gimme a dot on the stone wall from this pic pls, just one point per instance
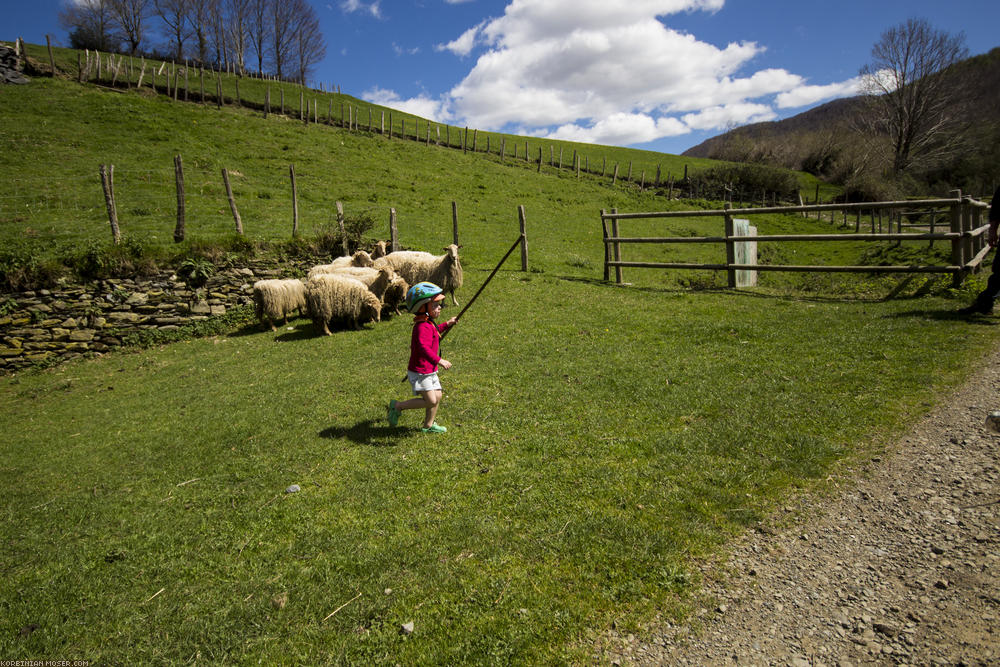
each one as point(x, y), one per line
point(53, 325)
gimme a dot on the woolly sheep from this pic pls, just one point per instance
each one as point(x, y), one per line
point(331, 296)
point(276, 299)
point(376, 280)
point(382, 282)
point(378, 250)
point(395, 294)
point(413, 266)
point(359, 258)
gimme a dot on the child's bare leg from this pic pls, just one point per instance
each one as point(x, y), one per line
point(429, 400)
point(433, 399)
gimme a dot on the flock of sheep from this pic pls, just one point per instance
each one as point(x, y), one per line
point(357, 288)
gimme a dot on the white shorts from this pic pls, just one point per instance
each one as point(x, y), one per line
point(423, 381)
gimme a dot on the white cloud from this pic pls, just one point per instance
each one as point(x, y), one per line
point(728, 115)
point(462, 45)
point(421, 105)
point(806, 95)
point(613, 71)
point(621, 128)
point(401, 51)
point(351, 6)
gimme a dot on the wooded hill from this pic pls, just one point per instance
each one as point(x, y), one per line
point(823, 140)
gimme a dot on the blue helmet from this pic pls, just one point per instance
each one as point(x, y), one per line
point(420, 294)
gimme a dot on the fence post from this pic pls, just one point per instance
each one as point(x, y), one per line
point(730, 247)
point(179, 177)
point(342, 228)
point(454, 221)
point(980, 241)
point(957, 256)
point(968, 244)
point(232, 201)
point(607, 256)
point(615, 245)
point(295, 202)
point(539, 159)
point(108, 183)
point(393, 232)
point(52, 59)
point(524, 237)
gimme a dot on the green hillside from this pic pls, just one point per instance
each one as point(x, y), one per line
point(603, 441)
point(57, 133)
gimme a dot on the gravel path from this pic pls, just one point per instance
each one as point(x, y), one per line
point(898, 565)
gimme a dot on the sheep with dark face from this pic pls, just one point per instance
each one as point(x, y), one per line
point(276, 299)
point(413, 266)
point(330, 296)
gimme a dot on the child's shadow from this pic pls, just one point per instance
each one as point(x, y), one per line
point(367, 433)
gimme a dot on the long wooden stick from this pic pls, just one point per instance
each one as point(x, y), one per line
point(483, 286)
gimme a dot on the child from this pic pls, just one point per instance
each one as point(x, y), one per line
point(425, 301)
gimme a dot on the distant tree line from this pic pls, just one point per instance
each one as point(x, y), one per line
point(277, 37)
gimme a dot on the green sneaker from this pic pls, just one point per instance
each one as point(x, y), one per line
point(434, 428)
point(392, 414)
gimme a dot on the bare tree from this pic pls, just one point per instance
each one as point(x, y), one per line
point(131, 15)
point(175, 17)
point(310, 46)
point(259, 29)
point(219, 33)
point(91, 25)
point(906, 84)
point(237, 30)
point(200, 19)
point(284, 23)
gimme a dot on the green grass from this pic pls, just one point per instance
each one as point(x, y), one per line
point(602, 440)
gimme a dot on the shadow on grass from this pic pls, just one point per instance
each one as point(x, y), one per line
point(894, 294)
point(948, 315)
point(367, 432)
point(296, 329)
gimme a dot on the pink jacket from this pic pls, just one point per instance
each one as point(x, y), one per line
point(424, 345)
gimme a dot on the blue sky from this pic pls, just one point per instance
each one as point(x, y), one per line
point(657, 74)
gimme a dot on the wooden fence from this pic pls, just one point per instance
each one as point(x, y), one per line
point(107, 173)
point(966, 234)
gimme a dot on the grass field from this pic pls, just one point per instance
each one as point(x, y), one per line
point(602, 440)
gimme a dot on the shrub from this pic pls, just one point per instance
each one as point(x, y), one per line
point(23, 266)
point(719, 182)
point(98, 261)
point(196, 271)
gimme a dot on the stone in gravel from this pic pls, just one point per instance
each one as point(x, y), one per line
point(887, 629)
